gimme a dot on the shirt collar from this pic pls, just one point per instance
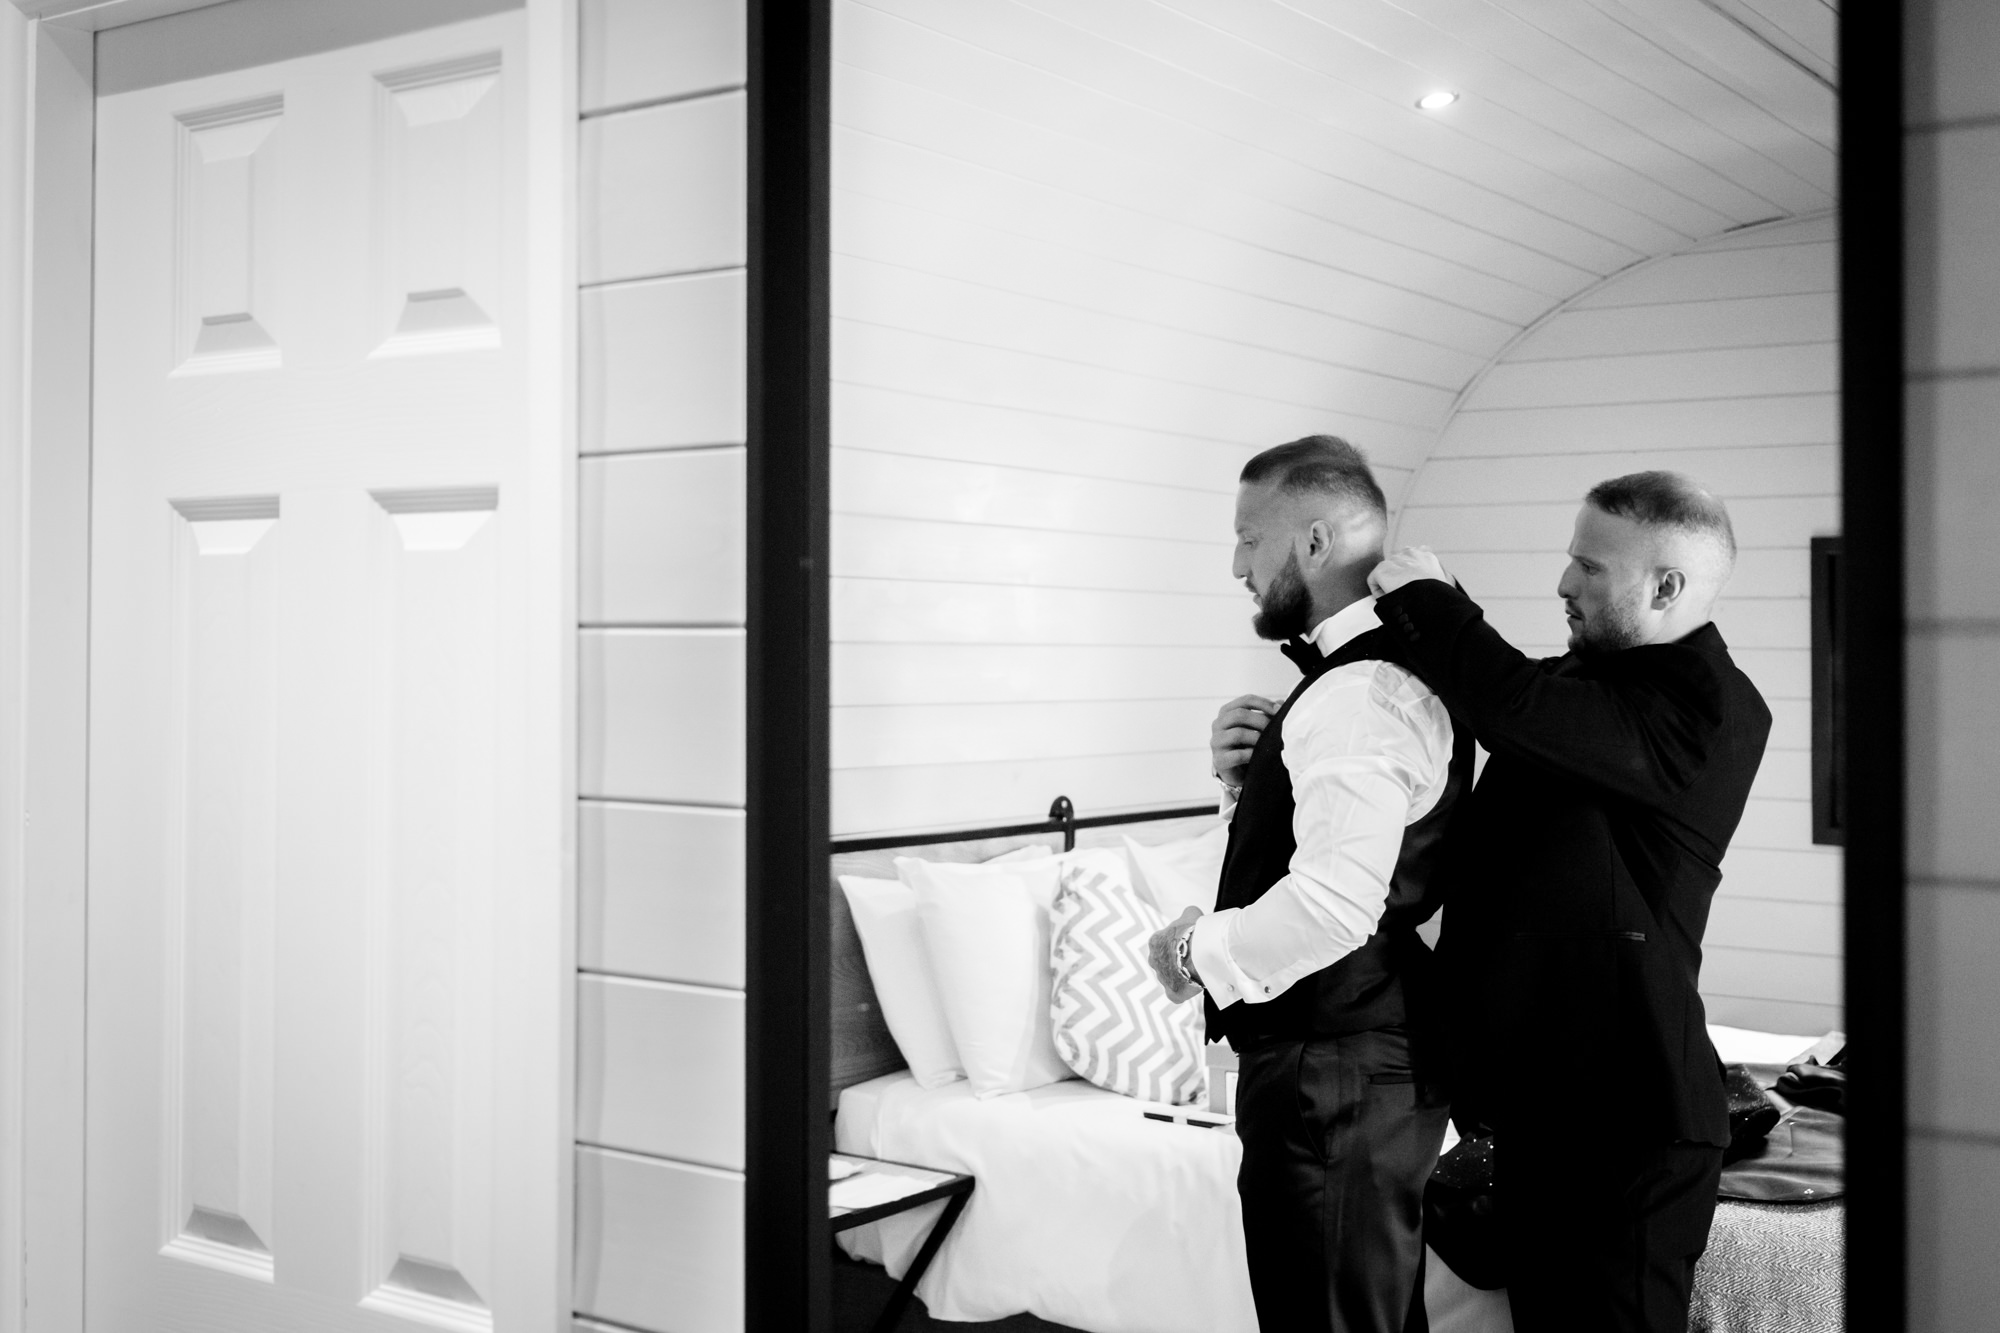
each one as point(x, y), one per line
point(1348, 623)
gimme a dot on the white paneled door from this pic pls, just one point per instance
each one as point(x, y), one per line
point(309, 701)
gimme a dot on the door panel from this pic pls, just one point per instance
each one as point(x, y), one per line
point(309, 721)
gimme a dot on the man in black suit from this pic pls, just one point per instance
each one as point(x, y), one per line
point(1578, 886)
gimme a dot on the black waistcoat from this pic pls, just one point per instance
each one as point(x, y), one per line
point(1385, 982)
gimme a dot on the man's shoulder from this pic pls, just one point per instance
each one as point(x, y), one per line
point(1378, 684)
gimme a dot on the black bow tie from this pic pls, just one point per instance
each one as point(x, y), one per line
point(1305, 655)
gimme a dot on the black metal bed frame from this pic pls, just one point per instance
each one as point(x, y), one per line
point(1062, 819)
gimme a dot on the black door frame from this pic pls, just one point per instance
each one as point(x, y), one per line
point(787, 1243)
point(787, 1266)
point(1871, 612)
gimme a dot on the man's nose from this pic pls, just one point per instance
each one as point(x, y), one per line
point(1566, 585)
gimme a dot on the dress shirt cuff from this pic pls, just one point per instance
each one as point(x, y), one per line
point(1208, 950)
point(1230, 795)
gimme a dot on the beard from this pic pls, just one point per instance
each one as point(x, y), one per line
point(1612, 630)
point(1285, 607)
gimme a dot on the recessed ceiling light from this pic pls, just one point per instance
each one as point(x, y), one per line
point(1436, 101)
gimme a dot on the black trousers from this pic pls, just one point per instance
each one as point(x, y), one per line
point(1603, 1238)
point(1339, 1137)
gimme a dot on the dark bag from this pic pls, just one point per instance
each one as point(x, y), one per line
point(1751, 1114)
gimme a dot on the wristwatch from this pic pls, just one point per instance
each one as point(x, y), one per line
point(1182, 960)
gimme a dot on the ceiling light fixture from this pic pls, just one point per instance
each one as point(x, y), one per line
point(1436, 101)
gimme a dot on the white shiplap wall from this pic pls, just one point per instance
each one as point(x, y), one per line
point(660, 1001)
point(1720, 362)
point(1089, 255)
point(1952, 471)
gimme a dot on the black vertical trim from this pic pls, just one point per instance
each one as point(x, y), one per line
point(1829, 795)
point(787, 1271)
point(1871, 614)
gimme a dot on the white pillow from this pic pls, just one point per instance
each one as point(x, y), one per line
point(1183, 874)
point(1114, 1025)
point(987, 931)
point(885, 916)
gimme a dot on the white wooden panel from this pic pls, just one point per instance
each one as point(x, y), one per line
point(877, 799)
point(1263, 197)
point(661, 539)
point(1770, 974)
point(1775, 825)
point(1737, 372)
point(947, 491)
point(875, 232)
point(1721, 275)
point(979, 194)
point(1952, 284)
point(1791, 723)
point(896, 359)
point(646, 50)
point(230, 239)
point(662, 363)
point(659, 1245)
point(1787, 522)
point(1046, 79)
point(883, 611)
point(659, 1069)
point(663, 190)
point(1813, 876)
point(1662, 428)
point(1751, 321)
point(1954, 1191)
point(1518, 115)
point(1762, 923)
point(1953, 474)
point(910, 735)
point(430, 1046)
point(899, 548)
point(1766, 1015)
point(972, 310)
point(909, 421)
point(221, 938)
point(661, 715)
point(1954, 732)
point(1954, 1008)
point(1778, 673)
point(439, 125)
point(949, 673)
point(660, 892)
point(1954, 46)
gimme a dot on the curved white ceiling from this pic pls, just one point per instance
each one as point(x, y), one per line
point(1233, 213)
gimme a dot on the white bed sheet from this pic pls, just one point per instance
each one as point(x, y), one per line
point(1086, 1213)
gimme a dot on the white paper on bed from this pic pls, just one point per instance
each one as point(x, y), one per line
point(1085, 1213)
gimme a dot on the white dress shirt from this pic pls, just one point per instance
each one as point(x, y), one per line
point(1368, 748)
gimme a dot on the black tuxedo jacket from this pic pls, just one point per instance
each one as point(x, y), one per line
point(1578, 879)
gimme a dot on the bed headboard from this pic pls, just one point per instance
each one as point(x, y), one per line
point(862, 1046)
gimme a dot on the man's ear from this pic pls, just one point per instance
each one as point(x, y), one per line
point(1667, 589)
point(1319, 542)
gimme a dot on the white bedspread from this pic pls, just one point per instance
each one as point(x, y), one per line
point(1088, 1214)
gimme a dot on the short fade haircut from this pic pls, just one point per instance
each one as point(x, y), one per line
point(1318, 465)
point(1667, 500)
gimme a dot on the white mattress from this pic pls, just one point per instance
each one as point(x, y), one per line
point(1088, 1214)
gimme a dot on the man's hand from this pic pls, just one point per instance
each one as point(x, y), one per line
point(1162, 954)
point(1406, 566)
point(1234, 735)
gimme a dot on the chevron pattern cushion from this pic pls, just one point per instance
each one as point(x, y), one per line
point(1113, 1023)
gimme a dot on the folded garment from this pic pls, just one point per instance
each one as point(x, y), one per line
point(1810, 1083)
point(1800, 1161)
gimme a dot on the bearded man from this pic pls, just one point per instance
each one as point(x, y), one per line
point(1579, 879)
point(1337, 800)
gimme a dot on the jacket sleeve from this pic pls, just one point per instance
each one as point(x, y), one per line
point(1643, 731)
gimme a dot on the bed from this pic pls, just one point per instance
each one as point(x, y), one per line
point(1105, 1213)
